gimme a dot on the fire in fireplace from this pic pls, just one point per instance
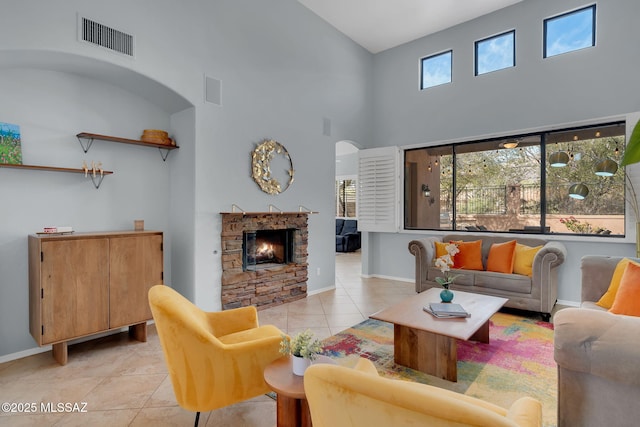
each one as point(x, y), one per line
point(267, 248)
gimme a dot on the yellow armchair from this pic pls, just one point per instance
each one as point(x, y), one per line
point(340, 396)
point(214, 358)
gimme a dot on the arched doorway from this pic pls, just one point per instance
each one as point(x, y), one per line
point(346, 177)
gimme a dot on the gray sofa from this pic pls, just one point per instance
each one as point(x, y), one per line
point(537, 293)
point(597, 353)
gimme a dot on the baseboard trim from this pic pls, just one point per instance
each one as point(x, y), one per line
point(569, 303)
point(37, 350)
point(24, 353)
point(380, 276)
point(318, 291)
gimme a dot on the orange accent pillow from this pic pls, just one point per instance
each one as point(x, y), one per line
point(606, 300)
point(627, 299)
point(501, 257)
point(470, 255)
point(523, 262)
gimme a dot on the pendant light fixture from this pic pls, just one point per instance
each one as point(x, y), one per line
point(578, 191)
point(512, 143)
point(558, 159)
point(606, 167)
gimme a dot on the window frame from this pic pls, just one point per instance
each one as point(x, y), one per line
point(435, 55)
point(543, 133)
point(476, 57)
point(545, 21)
point(340, 179)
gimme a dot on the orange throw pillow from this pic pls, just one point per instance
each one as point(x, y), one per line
point(627, 299)
point(523, 262)
point(606, 300)
point(501, 257)
point(470, 255)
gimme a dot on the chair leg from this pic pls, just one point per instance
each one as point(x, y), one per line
point(197, 419)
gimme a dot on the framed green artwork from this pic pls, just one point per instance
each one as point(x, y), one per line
point(10, 148)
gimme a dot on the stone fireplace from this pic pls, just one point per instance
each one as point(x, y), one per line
point(264, 258)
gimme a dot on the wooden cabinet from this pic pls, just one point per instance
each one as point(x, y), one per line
point(84, 283)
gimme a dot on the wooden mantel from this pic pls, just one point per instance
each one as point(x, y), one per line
point(270, 213)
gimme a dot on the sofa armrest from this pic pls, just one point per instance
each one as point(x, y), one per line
point(544, 275)
point(424, 251)
point(597, 272)
point(551, 255)
point(598, 343)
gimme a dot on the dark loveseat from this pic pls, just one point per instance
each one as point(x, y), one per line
point(347, 235)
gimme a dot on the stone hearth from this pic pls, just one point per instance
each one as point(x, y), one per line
point(266, 287)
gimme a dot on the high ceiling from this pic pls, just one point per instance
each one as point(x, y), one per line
point(378, 25)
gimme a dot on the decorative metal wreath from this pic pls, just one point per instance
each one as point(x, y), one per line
point(261, 168)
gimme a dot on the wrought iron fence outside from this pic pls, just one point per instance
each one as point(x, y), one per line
point(530, 199)
point(482, 200)
point(493, 200)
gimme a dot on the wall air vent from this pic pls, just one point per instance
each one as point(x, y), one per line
point(101, 35)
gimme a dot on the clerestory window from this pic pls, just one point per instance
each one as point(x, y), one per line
point(570, 31)
point(436, 69)
point(496, 53)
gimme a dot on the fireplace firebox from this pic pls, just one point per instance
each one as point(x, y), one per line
point(267, 248)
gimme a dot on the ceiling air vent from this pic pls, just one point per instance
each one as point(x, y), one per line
point(107, 37)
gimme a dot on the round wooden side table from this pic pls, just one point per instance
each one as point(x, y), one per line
point(292, 408)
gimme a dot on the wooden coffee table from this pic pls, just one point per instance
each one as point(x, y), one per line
point(428, 344)
point(292, 408)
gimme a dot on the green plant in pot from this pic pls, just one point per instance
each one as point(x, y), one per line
point(303, 347)
point(631, 156)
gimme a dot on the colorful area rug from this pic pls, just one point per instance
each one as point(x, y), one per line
point(518, 361)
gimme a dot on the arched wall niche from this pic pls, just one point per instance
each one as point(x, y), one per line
point(123, 77)
point(178, 170)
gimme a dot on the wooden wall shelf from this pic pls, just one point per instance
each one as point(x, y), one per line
point(97, 180)
point(86, 139)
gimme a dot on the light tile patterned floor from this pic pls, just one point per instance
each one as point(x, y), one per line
point(125, 383)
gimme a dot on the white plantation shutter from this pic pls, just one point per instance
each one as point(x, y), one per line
point(378, 181)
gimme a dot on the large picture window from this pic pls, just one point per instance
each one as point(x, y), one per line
point(564, 181)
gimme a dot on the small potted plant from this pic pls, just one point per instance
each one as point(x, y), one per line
point(444, 263)
point(303, 348)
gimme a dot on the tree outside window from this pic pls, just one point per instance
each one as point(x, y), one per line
point(509, 185)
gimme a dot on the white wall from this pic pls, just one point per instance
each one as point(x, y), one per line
point(283, 71)
point(347, 165)
point(51, 108)
point(537, 93)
